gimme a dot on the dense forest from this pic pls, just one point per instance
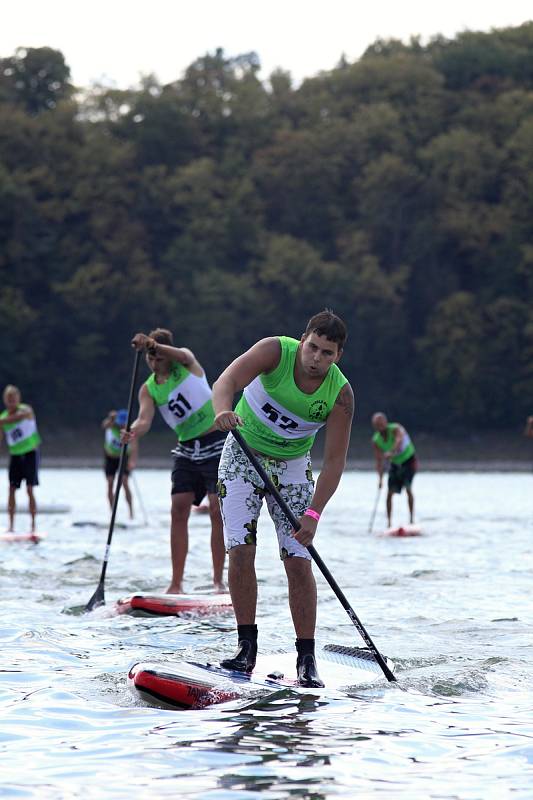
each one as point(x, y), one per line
point(397, 190)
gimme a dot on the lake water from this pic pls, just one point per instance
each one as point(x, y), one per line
point(453, 609)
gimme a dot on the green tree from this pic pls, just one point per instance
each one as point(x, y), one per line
point(36, 79)
point(451, 352)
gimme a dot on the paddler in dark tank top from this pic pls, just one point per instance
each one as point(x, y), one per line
point(391, 441)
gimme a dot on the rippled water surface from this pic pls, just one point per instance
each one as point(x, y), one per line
point(453, 609)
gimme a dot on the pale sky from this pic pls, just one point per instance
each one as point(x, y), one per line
point(117, 41)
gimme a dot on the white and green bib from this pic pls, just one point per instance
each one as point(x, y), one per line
point(112, 441)
point(280, 420)
point(184, 401)
point(407, 448)
point(22, 436)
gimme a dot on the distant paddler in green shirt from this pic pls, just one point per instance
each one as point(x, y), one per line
point(17, 423)
point(391, 441)
point(112, 425)
point(292, 388)
point(178, 388)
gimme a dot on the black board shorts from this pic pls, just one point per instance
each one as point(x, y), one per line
point(195, 467)
point(402, 475)
point(24, 468)
point(111, 465)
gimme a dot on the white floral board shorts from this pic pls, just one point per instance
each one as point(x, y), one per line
point(241, 492)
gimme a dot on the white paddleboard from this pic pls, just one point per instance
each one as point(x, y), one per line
point(190, 685)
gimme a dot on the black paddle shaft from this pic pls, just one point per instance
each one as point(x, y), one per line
point(98, 597)
point(316, 558)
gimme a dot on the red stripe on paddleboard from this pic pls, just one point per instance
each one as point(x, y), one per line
point(403, 530)
point(171, 690)
point(171, 605)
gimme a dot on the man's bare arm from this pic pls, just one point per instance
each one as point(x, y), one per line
point(109, 421)
point(399, 433)
point(338, 428)
point(143, 423)
point(181, 355)
point(17, 416)
point(264, 356)
point(380, 459)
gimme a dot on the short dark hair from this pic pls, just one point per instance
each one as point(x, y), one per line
point(328, 324)
point(162, 336)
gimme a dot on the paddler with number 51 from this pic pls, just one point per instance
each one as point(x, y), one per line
point(178, 387)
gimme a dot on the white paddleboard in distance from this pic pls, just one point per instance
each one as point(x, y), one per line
point(34, 537)
point(190, 685)
point(42, 508)
point(101, 524)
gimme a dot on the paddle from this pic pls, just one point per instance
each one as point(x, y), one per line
point(316, 558)
point(372, 518)
point(98, 597)
point(139, 497)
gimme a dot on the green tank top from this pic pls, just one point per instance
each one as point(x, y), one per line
point(22, 436)
point(184, 401)
point(112, 441)
point(407, 448)
point(280, 420)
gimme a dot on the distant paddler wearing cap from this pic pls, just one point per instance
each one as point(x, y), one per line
point(112, 425)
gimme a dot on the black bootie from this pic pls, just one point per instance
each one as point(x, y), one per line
point(306, 669)
point(244, 658)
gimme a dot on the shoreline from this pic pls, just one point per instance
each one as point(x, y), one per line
point(426, 465)
point(469, 451)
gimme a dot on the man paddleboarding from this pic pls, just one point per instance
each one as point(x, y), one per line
point(178, 387)
point(18, 424)
point(112, 425)
point(291, 389)
point(392, 442)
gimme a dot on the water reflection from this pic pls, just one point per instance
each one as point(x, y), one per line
point(450, 608)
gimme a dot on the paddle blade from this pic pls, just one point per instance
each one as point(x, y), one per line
point(97, 599)
point(354, 657)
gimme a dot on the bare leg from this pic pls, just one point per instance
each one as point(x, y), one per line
point(389, 508)
point(32, 506)
point(127, 492)
point(179, 538)
point(302, 596)
point(218, 548)
point(110, 490)
point(11, 507)
point(411, 502)
point(243, 583)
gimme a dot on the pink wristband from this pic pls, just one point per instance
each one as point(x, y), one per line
point(311, 513)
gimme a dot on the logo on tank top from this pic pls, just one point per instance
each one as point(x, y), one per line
point(318, 410)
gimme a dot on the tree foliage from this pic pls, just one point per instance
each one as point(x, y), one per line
point(397, 189)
